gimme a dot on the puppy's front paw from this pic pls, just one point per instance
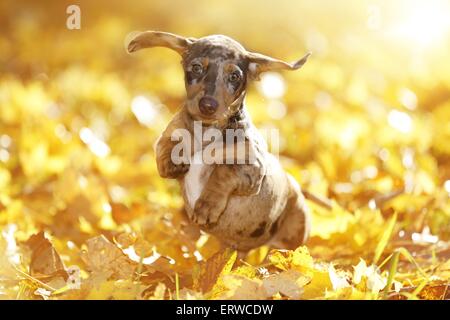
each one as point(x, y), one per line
point(172, 171)
point(208, 210)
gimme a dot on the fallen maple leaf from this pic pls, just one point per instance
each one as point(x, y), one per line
point(289, 283)
point(103, 257)
point(236, 287)
point(45, 260)
point(206, 277)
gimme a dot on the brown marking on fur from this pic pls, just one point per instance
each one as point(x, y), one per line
point(259, 231)
point(273, 228)
point(210, 79)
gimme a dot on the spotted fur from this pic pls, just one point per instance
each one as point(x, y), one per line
point(244, 205)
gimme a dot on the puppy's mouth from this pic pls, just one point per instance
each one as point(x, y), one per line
point(205, 119)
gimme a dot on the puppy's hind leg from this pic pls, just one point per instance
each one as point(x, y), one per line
point(295, 222)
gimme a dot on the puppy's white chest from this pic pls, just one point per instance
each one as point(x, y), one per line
point(195, 180)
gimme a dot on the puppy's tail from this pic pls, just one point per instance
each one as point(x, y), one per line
point(321, 201)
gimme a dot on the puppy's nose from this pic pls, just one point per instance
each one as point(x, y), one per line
point(208, 105)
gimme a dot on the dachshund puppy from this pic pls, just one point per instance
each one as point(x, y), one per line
point(245, 198)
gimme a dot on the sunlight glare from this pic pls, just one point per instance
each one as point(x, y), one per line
point(424, 22)
point(144, 110)
point(272, 85)
point(447, 186)
point(276, 109)
point(5, 141)
point(97, 146)
point(4, 155)
point(400, 121)
point(408, 98)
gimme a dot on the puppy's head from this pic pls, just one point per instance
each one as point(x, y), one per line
point(216, 71)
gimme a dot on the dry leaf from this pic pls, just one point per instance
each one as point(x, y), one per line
point(44, 258)
point(103, 257)
point(368, 277)
point(289, 283)
point(241, 288)
point(210, 271)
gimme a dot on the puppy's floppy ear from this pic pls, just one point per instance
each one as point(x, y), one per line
point(259, 63)
point(149, 39)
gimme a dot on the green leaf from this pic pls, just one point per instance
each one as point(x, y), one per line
point(392, 271)
point(385, 238)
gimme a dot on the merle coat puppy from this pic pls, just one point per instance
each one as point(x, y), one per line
point(247, 203)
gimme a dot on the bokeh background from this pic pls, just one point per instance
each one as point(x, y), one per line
point(365, 124)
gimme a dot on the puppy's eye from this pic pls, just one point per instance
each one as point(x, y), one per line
point(197, 68)
point(234, 77)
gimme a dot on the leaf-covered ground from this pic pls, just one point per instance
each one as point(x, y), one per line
point(365, 126)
